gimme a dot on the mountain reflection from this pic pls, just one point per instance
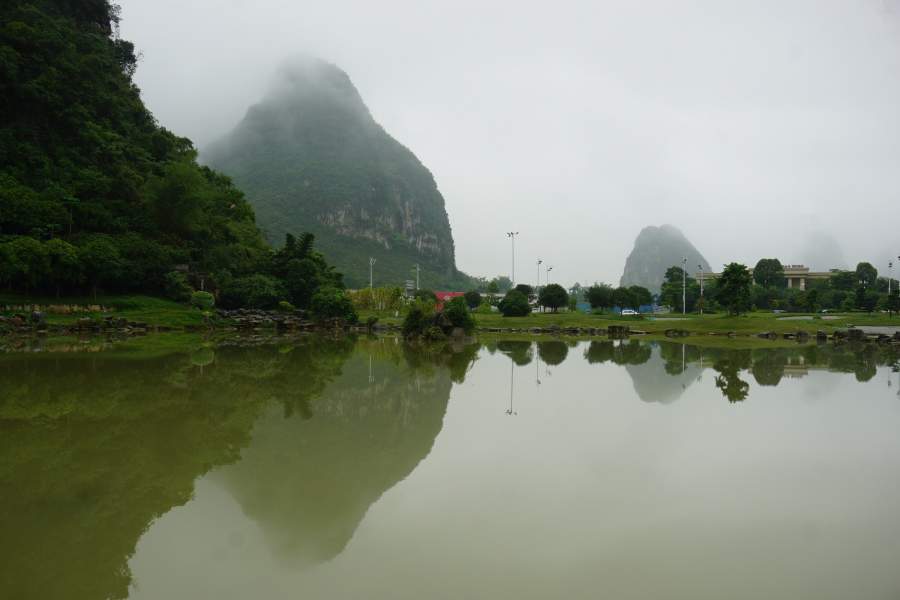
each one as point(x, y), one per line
point(94, 448)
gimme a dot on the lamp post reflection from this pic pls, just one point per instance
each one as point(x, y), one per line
point(510, 411)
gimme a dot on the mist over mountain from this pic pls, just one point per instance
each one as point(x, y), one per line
point(310, 157)
point(655, 250)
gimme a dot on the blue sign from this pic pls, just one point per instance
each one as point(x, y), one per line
point(655, 305)
point(655, 298)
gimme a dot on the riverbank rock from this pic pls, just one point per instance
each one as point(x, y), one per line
point(456, 334)
point(39, 319)
point(821, 335)
point(856, 334)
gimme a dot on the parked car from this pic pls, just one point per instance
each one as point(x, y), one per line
point(628, 311)
point(779, 311)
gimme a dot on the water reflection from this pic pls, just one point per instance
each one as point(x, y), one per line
point(306, 434)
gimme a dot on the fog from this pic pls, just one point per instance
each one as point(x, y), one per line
point(759, 129)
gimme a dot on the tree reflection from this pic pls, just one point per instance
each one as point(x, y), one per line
point(552, 353)
point(732, 386)
point(521, 353)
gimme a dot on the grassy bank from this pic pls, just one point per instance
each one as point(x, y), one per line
point(154, 311)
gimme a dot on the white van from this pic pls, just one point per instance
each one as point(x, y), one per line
point(628, 311)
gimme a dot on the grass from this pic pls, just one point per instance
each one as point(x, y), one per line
point(155, 311)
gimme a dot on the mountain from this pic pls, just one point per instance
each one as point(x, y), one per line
point(655, 250)
point(310, 157)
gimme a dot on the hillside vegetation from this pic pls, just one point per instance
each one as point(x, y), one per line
point(311, 158)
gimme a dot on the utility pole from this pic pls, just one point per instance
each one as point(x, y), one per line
point(684, 286)
point(513, 235)
point(416, 267)
point(371, 272)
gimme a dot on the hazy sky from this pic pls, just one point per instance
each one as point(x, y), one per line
point(758, 128)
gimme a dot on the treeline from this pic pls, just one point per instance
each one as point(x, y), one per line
point(96, 196)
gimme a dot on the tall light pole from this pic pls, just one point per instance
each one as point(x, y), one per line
point(701, 286)
point(684, 286)
point(548, 274)
point(416, 267)
point(371, 271)
point(539, 273)
point(513, 235)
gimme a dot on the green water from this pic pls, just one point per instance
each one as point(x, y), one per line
point(362, 468)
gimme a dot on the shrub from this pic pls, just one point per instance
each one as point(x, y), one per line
point(176, 286)
point(418, 318)
point(203, 300)
point(485, 308)
point(458, 312)
point(329, 302)
point(285, 307)
point(371, 320)
point(424, 295)
point(515, 305)
point(433, 333)
point(473, 299)
point(256, 291)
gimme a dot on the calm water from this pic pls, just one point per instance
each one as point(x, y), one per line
point(312, 468)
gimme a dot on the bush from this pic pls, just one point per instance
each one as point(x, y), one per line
point(371, 320)
point(458, 312)
point(285, 307)
point(515, 305)
point(256, 291)
point(473, 299)
point(329, 302)
point(418, 318)
point(203, 300)
point(176, 286)
point(433, 333)
point(485, 308)
point(425, 295)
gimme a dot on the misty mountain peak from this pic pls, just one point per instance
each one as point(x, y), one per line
point(655, 250)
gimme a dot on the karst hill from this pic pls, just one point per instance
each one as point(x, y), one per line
point(310, 157)
point(655, 250)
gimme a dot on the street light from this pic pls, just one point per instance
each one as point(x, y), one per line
point(513, 235)
point(684, 286)
point(416, 267)
point(539, 273)
point(371, 271)
point(701, 286)
point(548, 274)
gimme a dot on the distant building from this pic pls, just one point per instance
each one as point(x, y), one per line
point(796, 275)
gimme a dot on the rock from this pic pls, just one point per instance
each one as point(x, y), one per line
point(380, 326)
point(39, 319)
point(554, 328)
point(456, 334)
point(440, 319)
point(670, 332)
point(803, 334)
point(856, 334)
point(731, 334)
point(821, 335)
point(536, 330)
point(20, 318)
point(339, 323)
point(83, 323)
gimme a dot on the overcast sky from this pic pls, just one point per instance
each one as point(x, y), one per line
point(758, 128)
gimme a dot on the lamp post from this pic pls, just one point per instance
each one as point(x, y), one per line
point(548, 274)
point(416, 267)
point(513, 235)
point(371, 271)
point(684, 286)
point(701, 286)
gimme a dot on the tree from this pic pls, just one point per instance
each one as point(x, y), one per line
point(809, 300)
point(424, 295)
point(734, 288)
point(9, 265)
point(330, 302)
point(643, 295)
point(64, 267)
point(553, 296)
point(598, 295)
point(893, 302)
point(867, 275)
point(32, 264)
point(674, 274)
point(492, 287)
point(844, 280)
point(769, 273)
point(572, 304)
point(867, 300)
point(514, 304)
point(102, 263)
point(503, 282)
point(702, 304)
point(473, 299)
point(624, 298)
point(525, 289)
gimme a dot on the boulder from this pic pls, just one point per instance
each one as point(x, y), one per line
point(83, 323)
point(20, 318)
point(856, 334)
point(456, 334)
point(554, 328)
point(821, 335)
point(440, 319)
point(803, 334)
point(39, 319)
point(731, 334)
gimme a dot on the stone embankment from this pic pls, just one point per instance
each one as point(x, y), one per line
point(247, 319)
point(58, 309)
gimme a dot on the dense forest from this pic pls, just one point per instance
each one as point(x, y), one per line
point(96, 196)
point(310, 156)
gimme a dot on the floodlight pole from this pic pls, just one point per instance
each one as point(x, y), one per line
point(371, 272)
point(701, 286)
point(548, 274)
point(539, 272)
point(684, 286)
point(513, 235)
point(416, 266)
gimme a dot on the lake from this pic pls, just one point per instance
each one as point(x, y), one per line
point(305, 467)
